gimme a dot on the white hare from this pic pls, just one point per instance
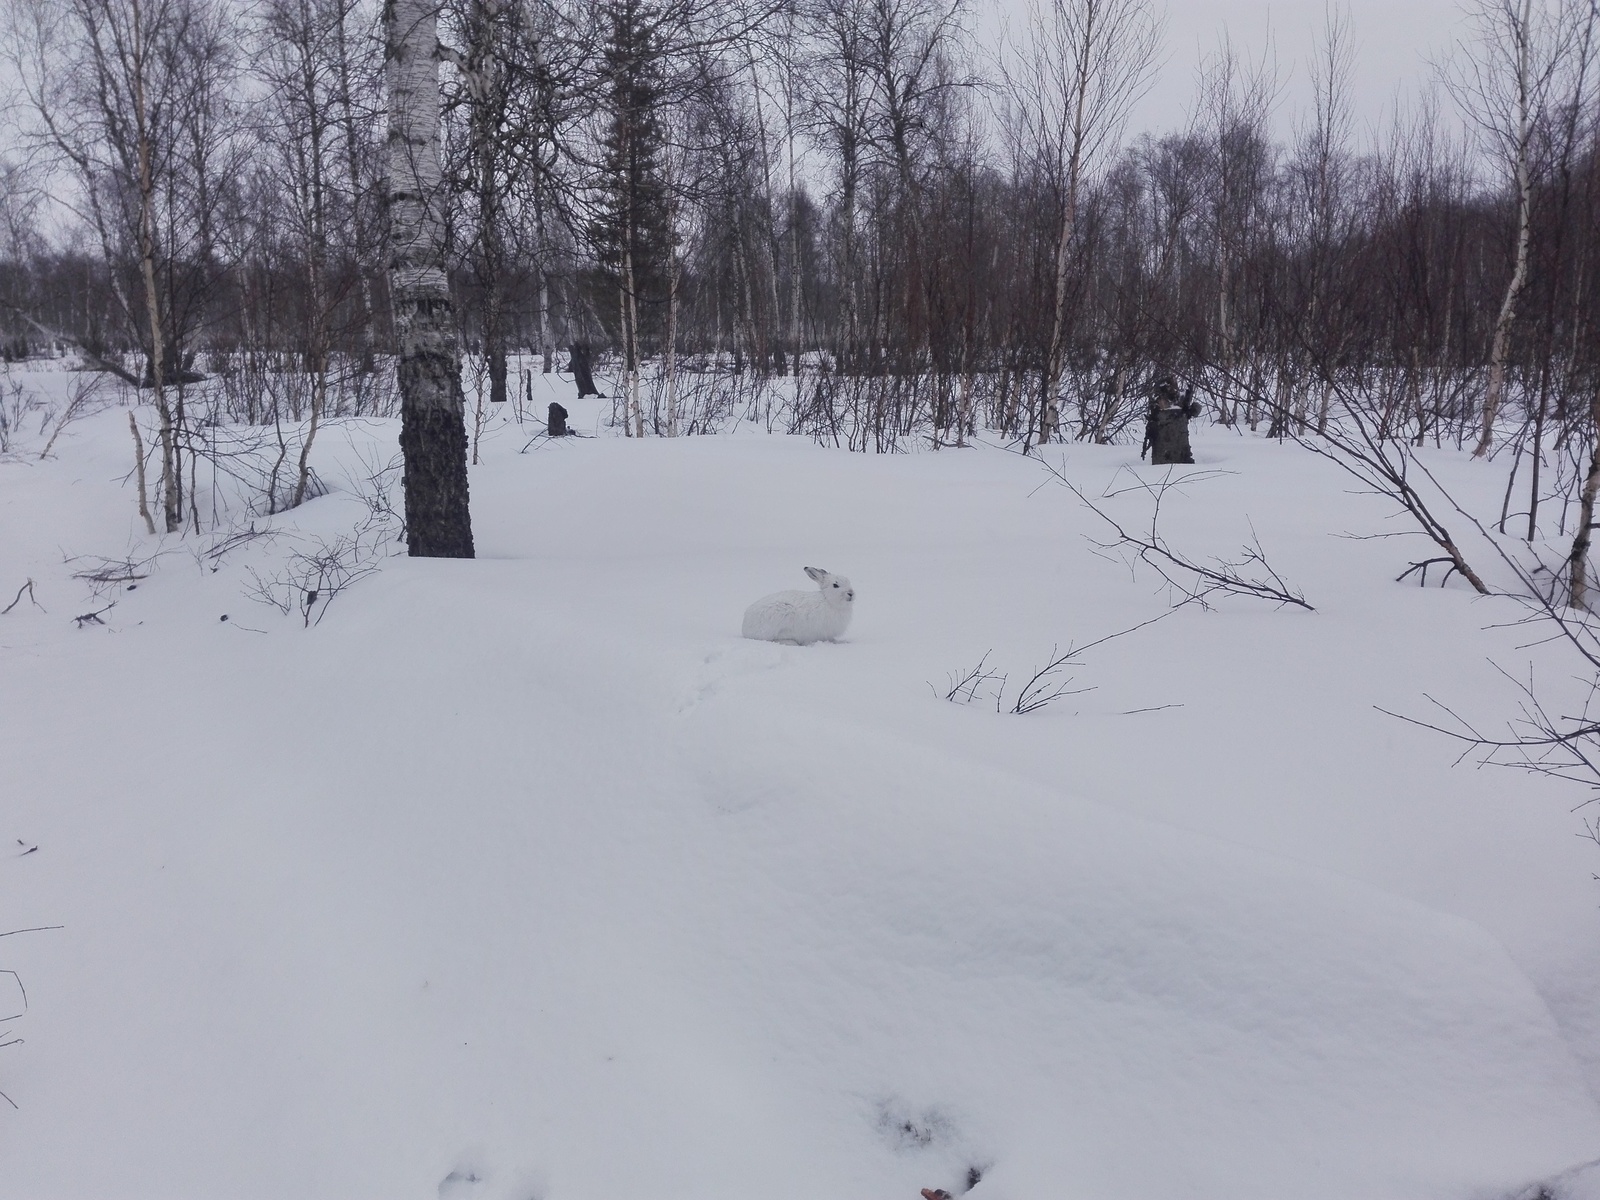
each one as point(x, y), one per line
point(803, 617)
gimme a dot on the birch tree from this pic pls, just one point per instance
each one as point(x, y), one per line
point(1502, 81)
point(433, 432)
point(125, 95)
point(1084, 64)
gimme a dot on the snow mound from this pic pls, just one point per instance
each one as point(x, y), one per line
point(527, 879)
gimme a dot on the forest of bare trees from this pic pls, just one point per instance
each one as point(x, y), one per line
point(846, 218)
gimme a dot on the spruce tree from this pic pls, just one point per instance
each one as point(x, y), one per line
point(633, 232)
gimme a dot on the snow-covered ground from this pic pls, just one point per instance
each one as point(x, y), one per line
point(526, 878)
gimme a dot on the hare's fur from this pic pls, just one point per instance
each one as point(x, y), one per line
point(803, 617)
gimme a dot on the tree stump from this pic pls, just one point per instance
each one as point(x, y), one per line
point(583, 370)
point(556, 423)
point(1166, 426)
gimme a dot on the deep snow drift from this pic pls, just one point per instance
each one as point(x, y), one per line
point(526, 877)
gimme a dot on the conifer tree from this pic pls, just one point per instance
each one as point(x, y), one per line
point(633, 232)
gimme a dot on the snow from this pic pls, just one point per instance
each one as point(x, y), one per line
point(526, 877)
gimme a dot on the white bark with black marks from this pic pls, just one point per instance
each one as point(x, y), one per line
point(433, 435)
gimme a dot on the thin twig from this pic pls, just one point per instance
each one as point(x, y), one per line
point(93, 618)
point(26, 587)
point(1222, 576)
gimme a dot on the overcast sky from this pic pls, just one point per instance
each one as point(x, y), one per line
point(1393, 42)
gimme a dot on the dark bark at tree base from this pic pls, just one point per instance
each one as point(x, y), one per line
point(434, 443)
point(1166, 427)
point(497, 376)
point(583, 370)
point(1171, 442)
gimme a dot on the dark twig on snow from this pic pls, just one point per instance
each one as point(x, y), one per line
point(13, 1040)
point(93, 618)
point(963, 685)
point(1451, 568)
point(234, 540)
point(102, 574)
point(1045, 685)
point(16, 600)
point(1043, 688)
point(21, 991)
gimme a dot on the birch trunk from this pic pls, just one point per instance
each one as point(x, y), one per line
point(171, 499)
point(1499, 351)
point(433, 433)
point(138, 470)
point(630, 347)
point(1049, 407)
point(1578, 560)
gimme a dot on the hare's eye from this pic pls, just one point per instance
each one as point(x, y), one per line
point(836, 585)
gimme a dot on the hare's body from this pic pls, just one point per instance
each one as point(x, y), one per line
point(803, 617)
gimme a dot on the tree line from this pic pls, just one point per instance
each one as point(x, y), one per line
point(924, 238)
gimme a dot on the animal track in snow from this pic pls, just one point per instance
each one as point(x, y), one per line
point(719, 667)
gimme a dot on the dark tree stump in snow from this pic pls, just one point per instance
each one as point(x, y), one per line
point(1166, 426)
point(583, 370)
point(556, 424)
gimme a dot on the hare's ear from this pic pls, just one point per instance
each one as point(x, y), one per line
point(817, 574)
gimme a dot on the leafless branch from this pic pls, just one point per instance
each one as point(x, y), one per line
point(1046, 686)
point(1421, 570)
point(93, 618)
point(16, 600)
point(963, 685)
point(312, 578)
point(1251, 575)
point(102, 574)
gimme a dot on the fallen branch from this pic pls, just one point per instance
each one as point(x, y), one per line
point(93, 618)
point(28, 588)
point(113, 573)
point(103, 574)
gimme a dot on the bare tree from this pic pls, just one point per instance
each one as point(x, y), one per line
point(124, 95)
point(303, 119)
point(834, 86)
point(1084, 65)
point(1503, 83)
point(1320, 178)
